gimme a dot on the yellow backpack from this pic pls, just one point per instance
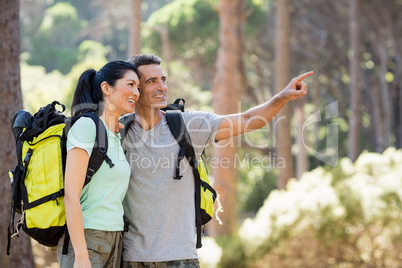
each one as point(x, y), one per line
point(37, 180)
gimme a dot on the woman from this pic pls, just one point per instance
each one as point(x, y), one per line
point(94, 212)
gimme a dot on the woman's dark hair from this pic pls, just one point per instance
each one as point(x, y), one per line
point(88, 95)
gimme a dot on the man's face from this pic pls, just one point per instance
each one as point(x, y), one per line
point(152, 87)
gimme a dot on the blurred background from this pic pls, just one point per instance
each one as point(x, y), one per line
point(319, 186)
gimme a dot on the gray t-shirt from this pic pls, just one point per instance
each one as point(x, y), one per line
point(160, 209)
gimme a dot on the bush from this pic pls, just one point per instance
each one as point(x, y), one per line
point(347, 216)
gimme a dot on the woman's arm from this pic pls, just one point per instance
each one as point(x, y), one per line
point(76, 168)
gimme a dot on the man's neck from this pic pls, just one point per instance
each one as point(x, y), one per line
point(148, 118)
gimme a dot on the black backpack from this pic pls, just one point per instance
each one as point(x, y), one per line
point(37, 181)
point(205, 195)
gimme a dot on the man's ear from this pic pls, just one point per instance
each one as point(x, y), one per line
point(105, 88)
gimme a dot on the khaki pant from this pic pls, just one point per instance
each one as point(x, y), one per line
point(104, 249)
point(190, 263)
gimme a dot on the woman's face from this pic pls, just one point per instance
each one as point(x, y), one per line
point(123, 95)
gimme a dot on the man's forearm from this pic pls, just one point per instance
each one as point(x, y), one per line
point(261, 115)
point(253, 119)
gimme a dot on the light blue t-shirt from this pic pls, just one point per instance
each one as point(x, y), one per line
point(101, 199)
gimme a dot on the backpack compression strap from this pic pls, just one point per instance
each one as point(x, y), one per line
point(179, 131)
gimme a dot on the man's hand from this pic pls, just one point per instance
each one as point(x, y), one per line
point(296, 88)
point(257, 117)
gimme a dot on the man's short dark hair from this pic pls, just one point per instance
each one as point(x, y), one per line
point(145, 59)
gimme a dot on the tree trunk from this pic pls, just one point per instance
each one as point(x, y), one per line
point(301, 158)
point(354, 118)
point(135, 29)
point(384, 92)
point(164, 31)
point(398, 97)
point(282, 74)
point(375, 113)
point(227, 90)
point(10, 102)
point(398, 124)
point(316, 100)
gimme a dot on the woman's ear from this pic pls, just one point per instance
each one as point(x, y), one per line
point(105, 88)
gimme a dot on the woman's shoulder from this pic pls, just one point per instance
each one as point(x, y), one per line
point(84, 130)
point(84, 124)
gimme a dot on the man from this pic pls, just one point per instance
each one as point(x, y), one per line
point(160, 209)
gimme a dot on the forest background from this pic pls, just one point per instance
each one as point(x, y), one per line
point(320, 185)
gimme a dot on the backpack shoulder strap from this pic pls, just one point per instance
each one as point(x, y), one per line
point(99, 151)
point(179, 131)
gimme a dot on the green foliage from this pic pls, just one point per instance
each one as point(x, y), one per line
point(260, 191)
point(347, 216)
point(149, 7)
point(192, 27)
point(257, 167)
point(57, 15)
point(92, 51)
point(257, 178)
point(55, 45)
point(93, 56)
point(40, 87)
point(180, 85)
point(229, 246)
point(257, 18)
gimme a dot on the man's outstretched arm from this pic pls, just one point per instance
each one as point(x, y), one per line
point(257, 117)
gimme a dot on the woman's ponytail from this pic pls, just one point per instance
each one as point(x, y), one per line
point(86, 96)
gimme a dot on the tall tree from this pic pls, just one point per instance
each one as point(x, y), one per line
point(135, 28)
point(227, 92)
point(354, 118)
point(282, 74)
point(10, 102)
point(301, 159)
point(385, 35)
point(398, 90)
point(163, 30)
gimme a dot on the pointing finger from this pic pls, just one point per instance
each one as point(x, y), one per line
point(303, 76)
